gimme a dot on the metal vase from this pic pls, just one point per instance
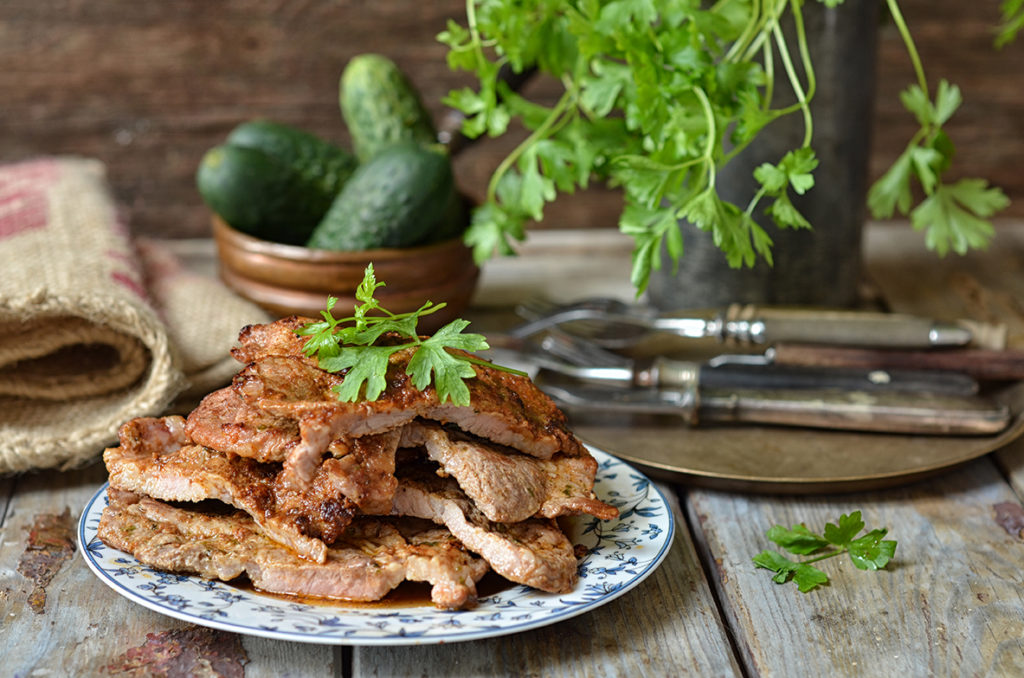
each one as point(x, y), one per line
point(818, 267)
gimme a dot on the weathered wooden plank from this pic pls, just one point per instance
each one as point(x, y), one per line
point(948, 604)
point(85, 627)
point(667, 626)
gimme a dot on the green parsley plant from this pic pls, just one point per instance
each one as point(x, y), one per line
point(1012, 21)
point(867, 552)
point(658, 96)
point(953, 216)
point(350, 343)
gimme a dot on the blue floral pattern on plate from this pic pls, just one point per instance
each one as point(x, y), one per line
point(620, 554)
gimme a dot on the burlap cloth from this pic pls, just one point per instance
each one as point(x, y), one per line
point(95, 329)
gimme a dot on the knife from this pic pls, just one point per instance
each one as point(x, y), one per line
point(758, 325)
point(661, 372)
point(982, 364)
point(889, 412)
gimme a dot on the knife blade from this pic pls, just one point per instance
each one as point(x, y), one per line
point(662, 372)
point(889, 412)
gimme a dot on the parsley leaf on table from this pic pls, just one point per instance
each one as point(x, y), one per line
point(349, 345)
point(870, 551)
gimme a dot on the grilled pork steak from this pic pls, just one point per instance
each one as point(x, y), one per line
point(507, 409)
point(194, 473)
point(533, 552)
point(307, 471)
point(301, 519)
point(372, 558)
point(506, 486)
point(225, 421)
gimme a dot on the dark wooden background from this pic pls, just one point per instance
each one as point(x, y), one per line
point(147, 87)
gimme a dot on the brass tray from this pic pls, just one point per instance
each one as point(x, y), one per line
point(787, 460)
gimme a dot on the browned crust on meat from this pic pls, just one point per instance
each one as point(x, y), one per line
point(304, 519)
point(368, 562)
point(225, 421)
point(276, 338)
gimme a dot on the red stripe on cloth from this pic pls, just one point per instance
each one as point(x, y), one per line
point(22, 211)
point(23, 189)
point(130, 283)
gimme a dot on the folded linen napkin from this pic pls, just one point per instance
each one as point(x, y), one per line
point(95, 329)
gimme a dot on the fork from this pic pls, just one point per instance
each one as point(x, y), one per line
point(621, 324)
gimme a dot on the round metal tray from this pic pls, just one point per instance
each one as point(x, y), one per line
point(787, 460)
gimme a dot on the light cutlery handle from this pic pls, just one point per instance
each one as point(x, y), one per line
point(755, 325)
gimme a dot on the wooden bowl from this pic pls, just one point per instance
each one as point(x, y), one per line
point(290, 279)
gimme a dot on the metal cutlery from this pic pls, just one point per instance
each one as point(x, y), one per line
point(616, 324)
point(982, 364)
point(883, 411)
point(577, 359)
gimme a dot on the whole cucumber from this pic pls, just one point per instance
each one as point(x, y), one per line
point(324, 166)
point(396, 199)
point(380, 106)
point(257, 194)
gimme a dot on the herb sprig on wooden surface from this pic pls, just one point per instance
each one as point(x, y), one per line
point(658, 97)
point(351, 343)
point(867, 552)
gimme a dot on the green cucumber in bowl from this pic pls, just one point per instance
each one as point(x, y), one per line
point(257, 194)
point(323, 165)
point(396, 199)
point(380, 106)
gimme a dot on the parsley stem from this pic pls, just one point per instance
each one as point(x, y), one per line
point(769, 75)
point(486, 363)
point(804, 49)
point(474, 32)
point(538, 134)
point(768, 22)
point(756, 199)
point(712, 140)
point(798, 89)
point(748, 31)
point(824, 556)
point(908, 41)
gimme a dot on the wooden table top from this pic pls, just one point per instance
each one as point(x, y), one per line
point(950, 603)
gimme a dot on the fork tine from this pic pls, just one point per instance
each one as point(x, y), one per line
point(542, 313)
point(580, 351)
point(535, 307)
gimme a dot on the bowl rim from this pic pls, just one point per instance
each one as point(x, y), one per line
point(253, 245)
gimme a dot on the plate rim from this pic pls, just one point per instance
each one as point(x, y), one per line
point(664, 543)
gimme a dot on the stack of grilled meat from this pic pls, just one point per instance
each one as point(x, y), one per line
point(273, 477)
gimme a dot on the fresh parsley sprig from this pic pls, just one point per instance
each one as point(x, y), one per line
point(953, 216)
point(867, 552)
point(350, 343)
point(658, 98)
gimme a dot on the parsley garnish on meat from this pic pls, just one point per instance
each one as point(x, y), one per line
point(868, 552)
point(350, 343)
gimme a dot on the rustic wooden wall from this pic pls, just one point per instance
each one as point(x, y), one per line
point(149, 86)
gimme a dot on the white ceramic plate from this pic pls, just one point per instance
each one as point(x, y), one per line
point(621, 554)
